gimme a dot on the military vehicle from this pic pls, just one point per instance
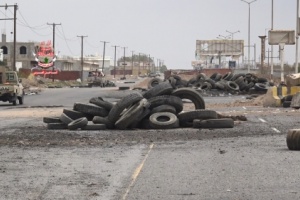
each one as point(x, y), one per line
point(11, 88)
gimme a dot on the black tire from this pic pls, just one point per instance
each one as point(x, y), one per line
point(289, 97)
point(163, 108)
point(123, 103)
point(21, 100)
point(206, 86)
point(241, 83)
point(293, 139)
point(153, 82)
point(145, 114)
point(131, 114)
point(94, 127)
point(163, 120)
point(191, 94)
point(236, 76)
point(227, 76)
point(57, 126)
point(103, 120)
point(186, 118)
point(201, 76)
point(90, 109)
point(286, 104)
point(98, 101)
point(212, 82)
point(232, 86)
point(260, 87)
point(51, 120)
point(192, 81)
point(163, 88)
point(65, 118)
point(181, 83)
point(217, 123)
point(220, 85)
point(262, 80)
point(78, 123)
point(172, 81)
point(168, 100)
point(73, 114)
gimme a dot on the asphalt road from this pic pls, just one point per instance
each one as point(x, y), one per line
point(249, 161)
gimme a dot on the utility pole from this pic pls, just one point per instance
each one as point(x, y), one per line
point(115, 60)
point(249, 3)
point(13, 64)
point(104, 42)
point(124, 63)
point(82, 36)
point(149, 63)
point(272, 24)
point(132, 62)
point(139, 64)
point(153, 64)
point(53, 44)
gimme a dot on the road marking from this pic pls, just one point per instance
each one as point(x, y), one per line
point(244, 108)
point(262, 120)
point(276, 130)
point(137, 171)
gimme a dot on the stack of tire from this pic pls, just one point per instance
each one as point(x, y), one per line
point(286, 101)
point(161, 107)
point(229, 82)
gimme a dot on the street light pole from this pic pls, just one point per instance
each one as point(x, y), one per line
point(249, 3)
point(104, 42)
point(272, 16)
point(224, 37)
point(232, 33)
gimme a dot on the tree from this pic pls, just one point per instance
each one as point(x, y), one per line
point(163, 68)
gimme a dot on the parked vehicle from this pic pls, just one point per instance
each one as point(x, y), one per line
point(11, 88)
point(96, 78)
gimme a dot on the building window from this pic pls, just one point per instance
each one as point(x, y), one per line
point(4, 49)
point(22, 50)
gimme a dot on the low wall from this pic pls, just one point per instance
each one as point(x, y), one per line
point(275, 94)
point(62, 75)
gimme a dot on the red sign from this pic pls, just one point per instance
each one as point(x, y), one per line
point(45, 72)
point(45, 55)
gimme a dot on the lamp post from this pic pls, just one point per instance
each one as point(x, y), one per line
point(249, 3)
point(232, 33)
point(224, 37)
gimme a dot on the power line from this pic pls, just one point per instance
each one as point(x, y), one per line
point(65, 39)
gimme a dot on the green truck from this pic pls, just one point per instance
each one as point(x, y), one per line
point(11, 88)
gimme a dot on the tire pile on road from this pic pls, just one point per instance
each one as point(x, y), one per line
point(230, 82)
point(161, 107)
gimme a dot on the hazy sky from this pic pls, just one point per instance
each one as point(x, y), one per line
point(165, 29)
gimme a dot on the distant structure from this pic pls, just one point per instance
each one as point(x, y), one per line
point(213, 53)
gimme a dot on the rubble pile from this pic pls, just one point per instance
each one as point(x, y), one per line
point(161, 107)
